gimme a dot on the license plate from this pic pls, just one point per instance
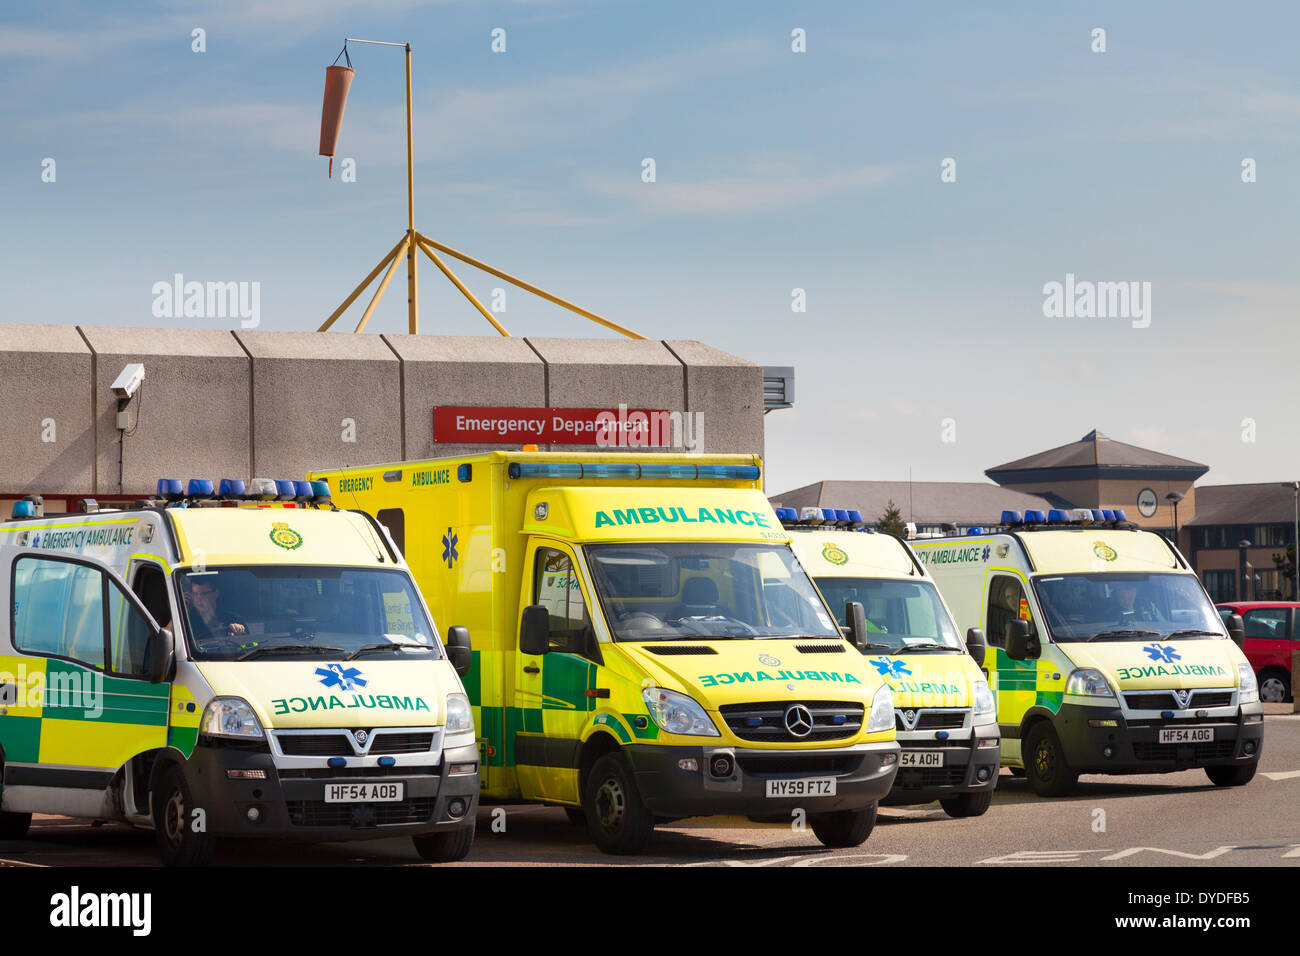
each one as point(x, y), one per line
point(807, 787)
point(364, 792)
point(921, 758)
point(1187, 735)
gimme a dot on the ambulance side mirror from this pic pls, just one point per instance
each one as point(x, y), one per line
point(1237, 630)
point(162, 656)
point(856, 629)
point(535, 630)
point(1020, 645)
point(976, 646)
point(458, 649)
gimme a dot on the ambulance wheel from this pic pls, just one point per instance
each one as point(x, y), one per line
point(13, 826)
point(576, 816)
point(1045, 765)
point(618, 821)
point(1232, 776)
point(445, 847)
point(974, 804)
point(844, 828)
point(179, 843)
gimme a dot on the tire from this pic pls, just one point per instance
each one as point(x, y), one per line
point(577, 817)
point(974, 804)
point(844, 828)
point(13, 826)
point(178, 842)
point(1232, 776)
point(1046, 769)
point(1274, 687)
point(445, 847)
point(617, 819)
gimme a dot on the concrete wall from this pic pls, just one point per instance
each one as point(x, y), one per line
point(219, 403)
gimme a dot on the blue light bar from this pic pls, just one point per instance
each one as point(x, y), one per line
point(285, 490)
point(976, 530)
point(231, 488)
point(1011, 517)
point(828, 516)
point(1057, 516)
point(303, 491)
point(629, 470)
point(24, 509)
point(321, 490)
point(810, 515)
point(1034, 516)
point(841, 515)
point(199, 488)
point(169, 489)
point(1120, 515)
point(1097, 515)
point(1107, 514)
point(786, 514)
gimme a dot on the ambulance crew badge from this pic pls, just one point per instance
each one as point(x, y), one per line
point(834, 555)
point(1104, 551)
point(285, 537)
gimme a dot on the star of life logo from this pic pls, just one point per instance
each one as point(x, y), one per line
point(338, 677)
point(887, 668)
point(1162, 654)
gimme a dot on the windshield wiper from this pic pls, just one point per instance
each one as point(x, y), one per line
point(1194, 632)
point(1130, 632)
point(286, 648)
point(926, 646)
point(387, 646)
point(877, 647)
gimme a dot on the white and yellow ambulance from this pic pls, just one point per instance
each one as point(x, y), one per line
point(645, 645)
point(944, 711)
point(228, 665)
point(1105, 653)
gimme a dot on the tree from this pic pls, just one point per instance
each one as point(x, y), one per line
point(1286, 568)
point(892, 520)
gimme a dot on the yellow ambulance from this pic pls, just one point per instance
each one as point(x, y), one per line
point(944, 712)
point(1106, 654)
point(228, 664)
point(645, 645)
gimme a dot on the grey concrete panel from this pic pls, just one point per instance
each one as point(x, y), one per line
point(190, 418)
point(727, 393)
point(463, 370)
point(47, 434)
point(322, 400)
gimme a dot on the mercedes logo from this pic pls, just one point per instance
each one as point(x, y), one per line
point(798, 720)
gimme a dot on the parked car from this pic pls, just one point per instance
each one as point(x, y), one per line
point(1272, 630)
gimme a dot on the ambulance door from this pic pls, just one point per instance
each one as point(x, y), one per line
point(551, 689)
point(87, 645)
point(1014, 683)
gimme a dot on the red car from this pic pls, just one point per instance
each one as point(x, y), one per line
point(1272, 632)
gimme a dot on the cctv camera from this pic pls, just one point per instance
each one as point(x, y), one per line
point(128, 383)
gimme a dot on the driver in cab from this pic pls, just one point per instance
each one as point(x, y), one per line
point(207, 622)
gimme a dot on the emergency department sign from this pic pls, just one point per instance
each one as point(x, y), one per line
point(636, 427)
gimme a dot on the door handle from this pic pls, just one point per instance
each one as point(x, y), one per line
point(532, 669)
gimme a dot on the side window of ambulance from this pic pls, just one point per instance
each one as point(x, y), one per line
point(556, 588)
point(1007, 602)
point(58, 609)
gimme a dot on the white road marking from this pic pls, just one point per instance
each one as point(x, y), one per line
point(1282, 775)
point(1135, 850)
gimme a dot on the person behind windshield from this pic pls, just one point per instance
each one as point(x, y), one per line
point(207, 621)
point(1127, 607)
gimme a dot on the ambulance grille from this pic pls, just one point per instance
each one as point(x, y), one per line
point(832, 720)
point(934, 720)
point(337, 744)
point(820, 648)
point(1165, 700)
point(668, 650)
point(318, 813)
point(1218, 750)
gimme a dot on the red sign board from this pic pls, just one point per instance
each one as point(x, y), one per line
point(481, 425)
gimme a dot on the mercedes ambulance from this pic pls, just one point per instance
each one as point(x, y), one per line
point(645, 645)
point(1107, 655)
point(228, 665)
point(943, 708)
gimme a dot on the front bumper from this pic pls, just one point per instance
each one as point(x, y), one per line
point(863, 775)
point(291, 802)
point(1134, 742)
point(967, 767)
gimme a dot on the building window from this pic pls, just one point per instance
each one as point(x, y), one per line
point(1221, 585)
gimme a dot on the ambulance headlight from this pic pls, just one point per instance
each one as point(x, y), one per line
point(230, 717)
point(678, 714)
point(882, 711)
point(460, 719)
point(1088, 682)
point(986, 707)
point(1248, 687)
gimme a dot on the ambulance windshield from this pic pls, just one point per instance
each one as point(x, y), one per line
point(706, 590)
point(273, 611)
point(900, 614)
point(1126, 606)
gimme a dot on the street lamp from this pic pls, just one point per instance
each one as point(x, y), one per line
point(1175, 497)
point(1295, 540)
point(1243, 570)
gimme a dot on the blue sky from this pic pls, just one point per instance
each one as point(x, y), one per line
point(775, 171)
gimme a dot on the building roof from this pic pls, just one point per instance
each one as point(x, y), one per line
point(1095, 456)
point(925, 502)
point(1266, 503)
